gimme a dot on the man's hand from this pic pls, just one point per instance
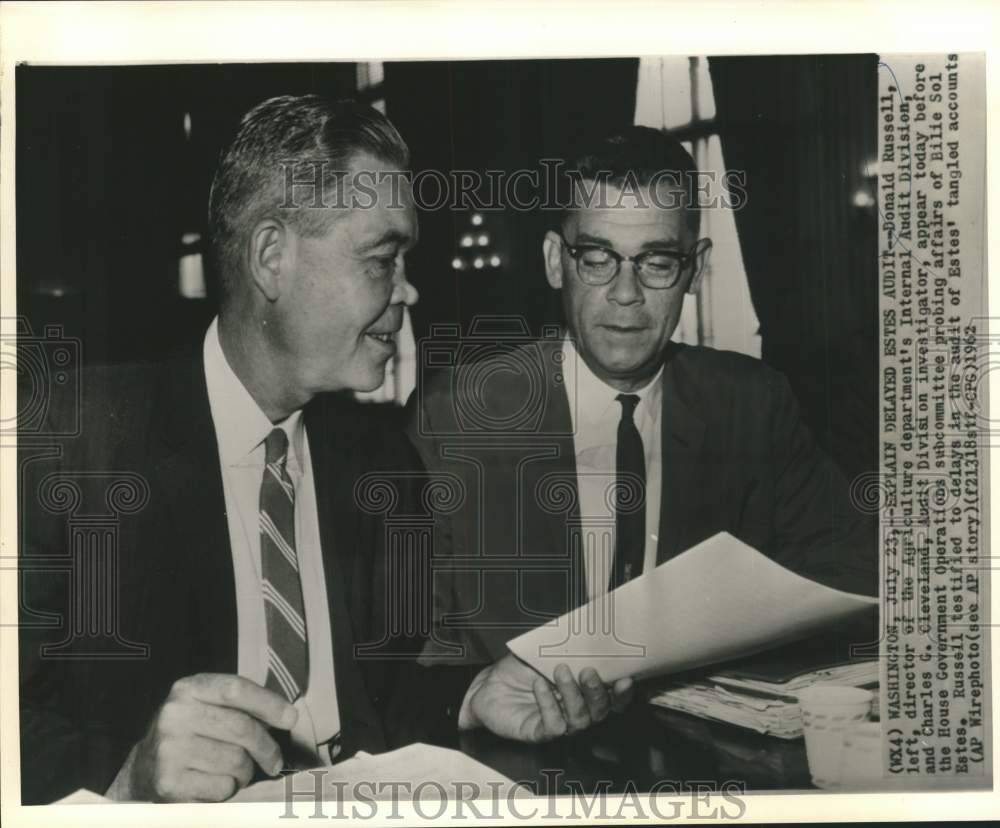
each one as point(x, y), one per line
point(515, 702)
point(203, 742)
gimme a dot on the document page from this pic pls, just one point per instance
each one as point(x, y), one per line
point(415, 770)
point(718, 600)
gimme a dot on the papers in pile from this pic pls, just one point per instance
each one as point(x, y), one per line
point(768, 707)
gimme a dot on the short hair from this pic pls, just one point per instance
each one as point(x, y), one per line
point(308, 131)
point(639, 155)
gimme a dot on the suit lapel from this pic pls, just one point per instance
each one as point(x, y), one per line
point(334, 458)
point(190, 479)
point(187, 471)
point(558, 422)
point(682, 470)
point(336, 453)
point(682, 437)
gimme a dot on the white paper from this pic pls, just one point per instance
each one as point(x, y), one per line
point(718, 600)
point(83, 796)
point(383, 776)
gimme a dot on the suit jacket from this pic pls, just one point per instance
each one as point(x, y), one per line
point(128, 583)
point(736, 457)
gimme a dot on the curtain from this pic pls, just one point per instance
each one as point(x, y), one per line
point(803, 130)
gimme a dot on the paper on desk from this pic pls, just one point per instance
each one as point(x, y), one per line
point(83, 796)
point(398, 774)
point(718, 600)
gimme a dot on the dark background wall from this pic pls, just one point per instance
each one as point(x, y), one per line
point(107, 185)
point(506, 115)
point(803, 128)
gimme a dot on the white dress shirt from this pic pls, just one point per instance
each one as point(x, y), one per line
point(241, 429)
point(595, 414)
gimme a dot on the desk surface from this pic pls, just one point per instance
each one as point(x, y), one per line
point(650, 744)
point(644, 746)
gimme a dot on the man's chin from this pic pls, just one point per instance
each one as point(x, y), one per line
point(373, 380)
point(620, 361)
point(612, 367)
point(361, 380)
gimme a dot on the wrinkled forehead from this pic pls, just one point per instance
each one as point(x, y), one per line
point(602, 210)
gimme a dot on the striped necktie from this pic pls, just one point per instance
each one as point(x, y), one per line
point(287, 650)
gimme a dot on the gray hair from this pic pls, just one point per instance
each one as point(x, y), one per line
point(307, 132)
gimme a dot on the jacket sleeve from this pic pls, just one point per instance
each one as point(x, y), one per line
point(64, 745)
point(819, 530)
point(428, 692)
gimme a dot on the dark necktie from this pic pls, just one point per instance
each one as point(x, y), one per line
point(287, 650)
point(630, 504)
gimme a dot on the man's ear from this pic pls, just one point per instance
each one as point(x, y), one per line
point(552, 251)
point(270, 251)
point(702, 251)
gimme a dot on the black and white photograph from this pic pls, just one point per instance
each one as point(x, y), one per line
point(595, 436)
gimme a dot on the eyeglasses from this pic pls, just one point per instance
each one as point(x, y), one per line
point(656, 269)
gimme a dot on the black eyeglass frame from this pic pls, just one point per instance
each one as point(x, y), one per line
point(576, 251)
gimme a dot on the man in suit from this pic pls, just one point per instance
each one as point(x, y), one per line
point(591, 457)
point(215, 584)
point(240, 610)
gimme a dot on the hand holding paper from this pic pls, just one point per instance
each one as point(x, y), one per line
point(512, 700)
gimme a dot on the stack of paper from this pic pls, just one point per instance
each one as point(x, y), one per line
point(774, 716)
point(768, 708)
point(857, 674)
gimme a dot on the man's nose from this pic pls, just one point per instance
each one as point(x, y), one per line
point(625, 287)
point(402, 290)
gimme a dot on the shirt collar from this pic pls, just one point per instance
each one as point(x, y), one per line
point(240, 424)
point(591, 398)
